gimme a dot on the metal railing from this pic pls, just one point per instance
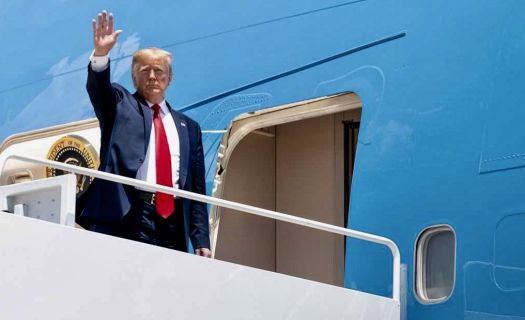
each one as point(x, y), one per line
point(231, 205)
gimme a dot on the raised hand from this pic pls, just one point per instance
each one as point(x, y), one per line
point(103, 36)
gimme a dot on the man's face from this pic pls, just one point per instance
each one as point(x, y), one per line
point(151, 78)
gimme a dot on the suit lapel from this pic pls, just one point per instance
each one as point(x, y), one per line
point(148, 119)
point(184, 146)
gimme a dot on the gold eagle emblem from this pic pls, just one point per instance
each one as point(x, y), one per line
point(74, 150)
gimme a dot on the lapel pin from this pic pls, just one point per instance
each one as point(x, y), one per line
point(183, 124)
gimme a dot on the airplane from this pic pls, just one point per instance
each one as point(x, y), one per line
point(395, 118)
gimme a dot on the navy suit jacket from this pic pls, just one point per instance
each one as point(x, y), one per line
point(125, 123)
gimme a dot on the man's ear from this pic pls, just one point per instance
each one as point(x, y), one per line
point(134, 80)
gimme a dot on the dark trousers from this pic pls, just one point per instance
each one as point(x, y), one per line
point(142, 223)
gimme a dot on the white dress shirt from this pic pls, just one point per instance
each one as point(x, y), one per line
point(147, 171)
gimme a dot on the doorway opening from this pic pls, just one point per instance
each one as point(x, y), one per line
point(295, 159)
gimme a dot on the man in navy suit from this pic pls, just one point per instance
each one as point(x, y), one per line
point(142, 137)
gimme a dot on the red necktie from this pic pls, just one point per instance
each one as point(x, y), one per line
point(164, 203)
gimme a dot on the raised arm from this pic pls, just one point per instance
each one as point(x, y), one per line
point(101, 93)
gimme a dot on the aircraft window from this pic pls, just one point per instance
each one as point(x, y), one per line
point(435, 264)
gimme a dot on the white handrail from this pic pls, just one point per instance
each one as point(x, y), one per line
point(231, 205)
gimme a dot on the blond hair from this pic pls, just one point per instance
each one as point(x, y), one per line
point(142, 54)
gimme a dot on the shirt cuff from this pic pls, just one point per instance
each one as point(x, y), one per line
point(99, 63)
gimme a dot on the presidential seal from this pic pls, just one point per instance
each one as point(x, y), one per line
point(77, 151)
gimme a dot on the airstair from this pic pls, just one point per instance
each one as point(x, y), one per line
point(51, 270)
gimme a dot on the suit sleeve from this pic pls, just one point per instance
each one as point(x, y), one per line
point(103, 95)
point(199, 226)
